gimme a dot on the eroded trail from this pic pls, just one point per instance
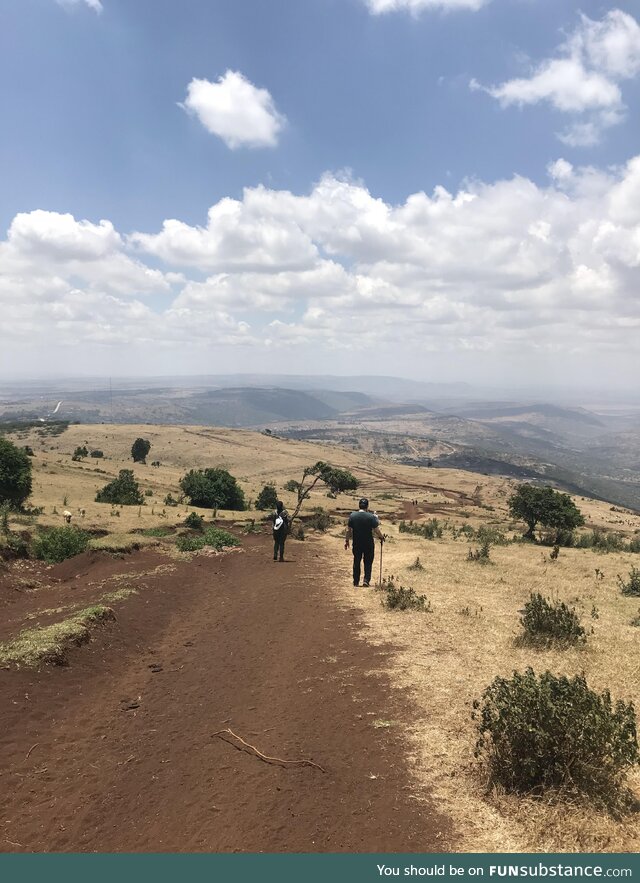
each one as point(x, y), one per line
point(108, 754)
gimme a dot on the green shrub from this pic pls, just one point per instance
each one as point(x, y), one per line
point(296, 531)
point(267, 498)
point(292, 486)
point(97, 455)
point(538, 733)
point(122, 491)
point(417, 565)
point(632, 585)
point(430, 530)
point(481, 555)
point(14, 546)
point(487, 534)
point(547, 623)
point(213, 536)
point(601, 541)
point(148, 492)
point(194, 521)
point(213, 489)
point(156, 532)
point(55, 544)
point(401, 598)
point(80, 453)
point(169, 501)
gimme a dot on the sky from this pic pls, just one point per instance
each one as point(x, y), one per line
point(447, 190)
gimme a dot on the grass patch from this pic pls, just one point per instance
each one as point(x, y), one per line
point(214, 537)
point(156, 532)
point(50, 643)
point(121, 542)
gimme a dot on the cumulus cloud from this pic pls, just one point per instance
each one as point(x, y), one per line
point(235, 110)
point(378, 7)
point(583, 79)
point(500, 268)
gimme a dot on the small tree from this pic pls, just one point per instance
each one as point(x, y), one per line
point(123, 490)
point(139, 450)
point(80, 453)
point(15, 474)
point(336, 479)
point(213, 489)
point(267, 498)
point(543, 505)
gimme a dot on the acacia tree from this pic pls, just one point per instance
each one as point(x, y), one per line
point(15, 474)
point(543, 505)
point(139, 450)
point(213, 489)
point(336, 479)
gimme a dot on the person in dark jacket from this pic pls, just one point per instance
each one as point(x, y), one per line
point(280, 530)
point(361, 529)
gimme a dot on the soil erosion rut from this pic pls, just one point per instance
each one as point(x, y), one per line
point(108, 754)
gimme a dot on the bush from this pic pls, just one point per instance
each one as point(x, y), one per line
point(417, 565)
point(320, 520)
point(122, 491)
point(80, 453)
point(430, 530)
point(267, 498)
point(481, 555)
point(15, 546)
point(15, 474)
point(601, 541)
point(547, 623)
point(296, 531)
point(213, 536)
point(632, 585)
point(538, 733)
point(169, 501)
point(97, 455)
point(148, 492)
point(56, 544)
point(213, 489)
point(401, 598)
point(194, 521)
point(139, 450)
point(292, 486)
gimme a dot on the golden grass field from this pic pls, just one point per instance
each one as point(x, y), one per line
point(445, 657)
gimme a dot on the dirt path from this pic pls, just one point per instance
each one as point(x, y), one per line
point(242, 642)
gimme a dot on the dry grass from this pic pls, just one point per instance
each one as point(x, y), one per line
point(448, 658)
point(50, 644)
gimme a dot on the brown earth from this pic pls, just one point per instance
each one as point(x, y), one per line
point(108, 754)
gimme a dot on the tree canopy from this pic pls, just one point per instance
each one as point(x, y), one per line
point(336, 479)
point(139, 450)
point(213, 489)
point(542, 505)
point(15, 474)
point(267, 498)
point(123, 490)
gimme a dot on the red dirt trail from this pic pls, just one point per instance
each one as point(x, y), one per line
point(242, 642)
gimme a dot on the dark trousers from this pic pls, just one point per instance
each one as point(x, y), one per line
point(359, 553)
point(278, 545)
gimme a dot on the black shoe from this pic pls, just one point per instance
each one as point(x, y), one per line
point(365, 584)
point(275, 558)
point(281, 560)
point(357, 585)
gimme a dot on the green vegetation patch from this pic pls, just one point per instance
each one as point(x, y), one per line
point(50, 644)
point(540, 733)
point(548, 622)
point(214, 537)
point(56, 544)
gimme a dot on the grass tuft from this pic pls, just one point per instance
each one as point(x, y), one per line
point(49, 644)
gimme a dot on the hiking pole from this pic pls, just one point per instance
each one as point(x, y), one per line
point(382, 539)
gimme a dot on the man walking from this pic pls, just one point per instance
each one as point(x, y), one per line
point(361, 529)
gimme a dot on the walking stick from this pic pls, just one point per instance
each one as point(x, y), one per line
point(381, 544)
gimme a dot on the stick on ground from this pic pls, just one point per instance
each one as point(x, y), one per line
point(265, 757)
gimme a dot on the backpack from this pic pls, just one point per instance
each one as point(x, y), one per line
point(278, 521)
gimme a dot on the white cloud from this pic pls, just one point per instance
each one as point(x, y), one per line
point(378, 7)
point(235, 110)
point(583, 80)
point(96, 5)
point(499, 268)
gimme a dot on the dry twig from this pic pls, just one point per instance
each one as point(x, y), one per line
point(265, 757)
point(31, 749)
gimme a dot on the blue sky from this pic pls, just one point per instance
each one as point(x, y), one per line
point(105, 108)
